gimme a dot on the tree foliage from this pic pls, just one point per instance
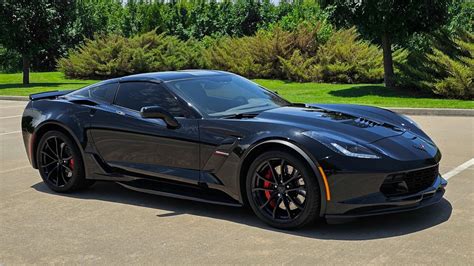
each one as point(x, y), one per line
point(33, 26)
point(185, 19)
point(391, 21)
point(447, 69)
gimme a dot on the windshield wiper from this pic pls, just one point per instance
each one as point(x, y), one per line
point(241, 115)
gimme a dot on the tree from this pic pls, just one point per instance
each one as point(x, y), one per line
point(389, 22)
point(31, 26)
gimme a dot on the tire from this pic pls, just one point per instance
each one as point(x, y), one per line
point(289, 201)
point(60, 163)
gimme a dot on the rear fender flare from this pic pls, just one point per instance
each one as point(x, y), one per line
point(69, 131)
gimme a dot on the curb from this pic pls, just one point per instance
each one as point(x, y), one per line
point(405, 111)
point(434, 111)
point(15, 98)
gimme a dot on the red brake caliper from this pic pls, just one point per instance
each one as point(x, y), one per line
point(267, 184)
point(71, 164)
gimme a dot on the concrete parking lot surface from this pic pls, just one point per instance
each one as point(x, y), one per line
point(108, 224)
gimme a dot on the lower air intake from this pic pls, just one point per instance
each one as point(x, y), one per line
point(400, 184)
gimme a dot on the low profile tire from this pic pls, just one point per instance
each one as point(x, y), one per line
point(282, 190)
point(60, 163)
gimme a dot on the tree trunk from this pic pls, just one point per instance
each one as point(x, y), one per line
point(388, 61)
point(26, 70)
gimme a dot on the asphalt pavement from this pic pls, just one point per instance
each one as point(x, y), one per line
point(109, 224)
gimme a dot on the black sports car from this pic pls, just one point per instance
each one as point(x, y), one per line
point(216, 137)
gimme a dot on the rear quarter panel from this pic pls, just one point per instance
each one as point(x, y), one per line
point(40, 115)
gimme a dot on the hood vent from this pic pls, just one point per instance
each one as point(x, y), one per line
point(365, 123)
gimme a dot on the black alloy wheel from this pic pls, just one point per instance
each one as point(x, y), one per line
point(60, 163)
point(282, 191)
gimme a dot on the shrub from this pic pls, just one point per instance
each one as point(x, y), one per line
point(347, 59)
point(455, 74)
point(268, 54)
point(447, 69)
point(301, 68)
point(114, 55)
point(298, 55)
point(251, 56)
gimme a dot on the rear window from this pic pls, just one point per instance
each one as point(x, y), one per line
point(105, 92)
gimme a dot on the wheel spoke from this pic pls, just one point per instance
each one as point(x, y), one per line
point(57, 175)
point(294, 176)
point(264, 179)
point(282, 170)
point(48, 164)
point(52, 151)
point(300, 192)
point(45, 153)
point(268, 201)
point(300, 188)
point(61, 150)
point(294, 202)
point(273, 172)
point(67, 168)
point(277, 206)
point(287, 207)
point(50, 172)
point(56, 147)
point(61, 173)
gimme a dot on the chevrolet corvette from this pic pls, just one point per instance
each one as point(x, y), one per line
point(216, 137)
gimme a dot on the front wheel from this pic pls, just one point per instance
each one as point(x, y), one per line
point(282, 190)
point(60, 163)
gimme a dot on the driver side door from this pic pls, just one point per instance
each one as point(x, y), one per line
point(144, 146)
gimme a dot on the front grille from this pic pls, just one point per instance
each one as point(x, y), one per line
point(409, 182)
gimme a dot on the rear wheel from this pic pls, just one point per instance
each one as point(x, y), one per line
point(282, 190)
point(60, 163)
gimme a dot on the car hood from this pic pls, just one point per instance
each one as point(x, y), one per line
point(360, 123)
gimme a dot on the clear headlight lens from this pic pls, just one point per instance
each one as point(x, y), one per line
point(342, 146)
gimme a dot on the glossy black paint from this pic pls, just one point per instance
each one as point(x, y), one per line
point(208, 157)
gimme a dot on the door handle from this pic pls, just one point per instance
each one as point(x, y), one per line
point(119, 112)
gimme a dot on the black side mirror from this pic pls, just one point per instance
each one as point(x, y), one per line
point(158, 112)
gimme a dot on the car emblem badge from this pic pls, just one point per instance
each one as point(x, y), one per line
point(420, 147)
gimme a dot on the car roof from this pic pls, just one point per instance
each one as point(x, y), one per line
point(171, 75)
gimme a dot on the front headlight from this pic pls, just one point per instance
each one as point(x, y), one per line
point(341, 145)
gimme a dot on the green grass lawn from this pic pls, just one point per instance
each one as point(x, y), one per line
point(371, 94)
point(11, 84)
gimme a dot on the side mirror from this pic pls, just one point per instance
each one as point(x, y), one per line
point(158, 112)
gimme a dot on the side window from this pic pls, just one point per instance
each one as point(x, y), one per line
point(104, 92)
point(135, 95)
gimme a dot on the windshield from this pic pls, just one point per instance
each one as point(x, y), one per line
point(226, 95)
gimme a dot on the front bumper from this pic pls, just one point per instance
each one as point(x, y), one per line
point(378, 204)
